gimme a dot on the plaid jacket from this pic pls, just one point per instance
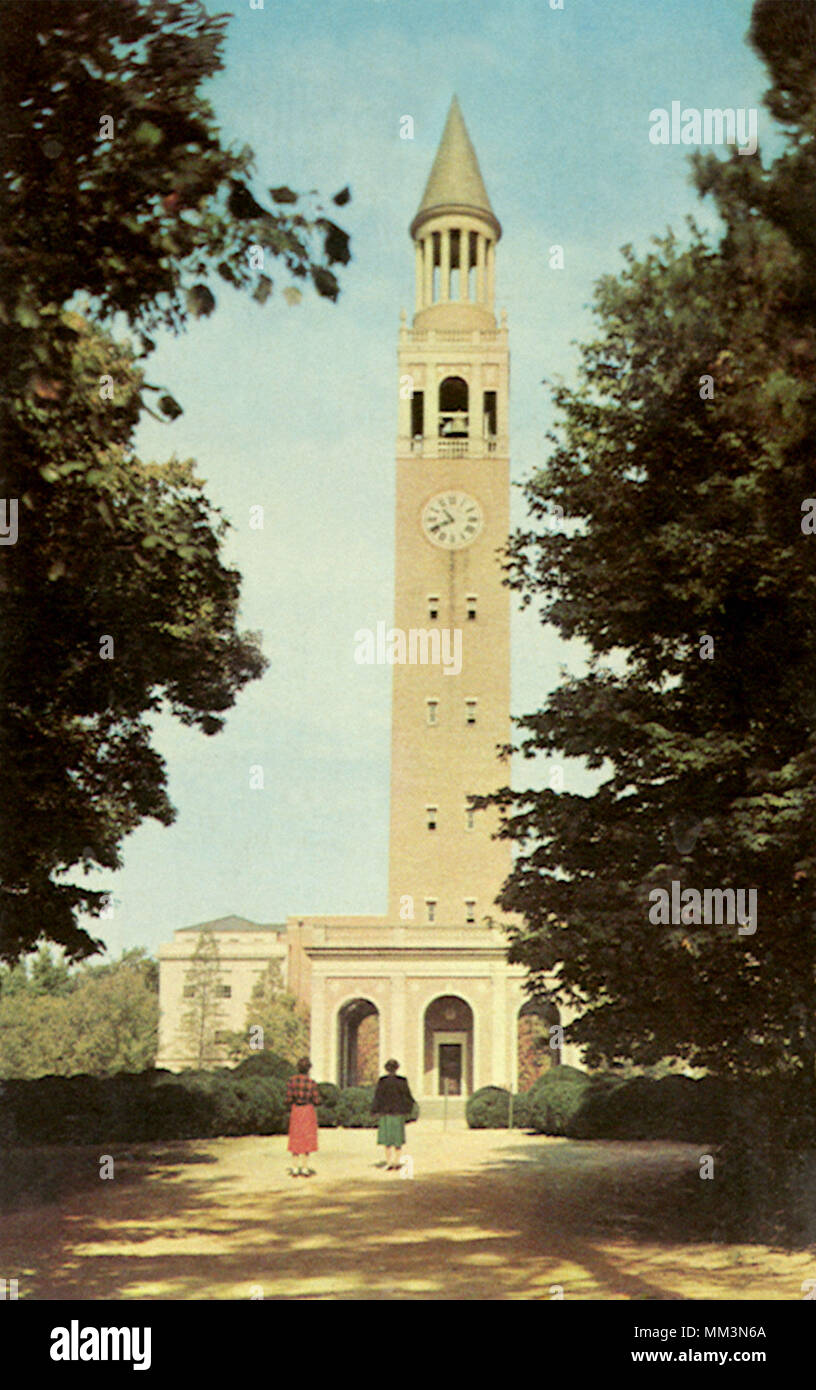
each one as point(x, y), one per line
point(301, 1090)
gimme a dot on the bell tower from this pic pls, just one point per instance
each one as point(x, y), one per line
point(451, 693)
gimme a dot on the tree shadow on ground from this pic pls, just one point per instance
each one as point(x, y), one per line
point(520, 1226)
point(41, 1174)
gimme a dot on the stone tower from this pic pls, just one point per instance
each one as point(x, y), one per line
point(430, 983)
point(452, 516)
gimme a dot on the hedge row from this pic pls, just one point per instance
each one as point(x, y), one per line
point(569, 1102)
point(139, 1107)
point(160, 1105)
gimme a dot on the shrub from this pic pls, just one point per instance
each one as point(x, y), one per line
point(224, 1104)
point(556, 1098)
point(675, 1107)
point(256, 1105)
point(521, 1110)
point(489, 1108)
point(327, 1109)
point(765, 1187)
point(264, 1063)
point(57, 1109)
point(141, 1107)
point(353, 1109)
point(8, 1124)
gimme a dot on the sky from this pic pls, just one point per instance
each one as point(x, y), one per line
point(293, 409)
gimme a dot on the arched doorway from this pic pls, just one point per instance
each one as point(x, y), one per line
point(448, 1047)
point(358, 1043)
point(535, 1055)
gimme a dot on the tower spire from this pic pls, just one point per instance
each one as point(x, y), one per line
point(455, 183)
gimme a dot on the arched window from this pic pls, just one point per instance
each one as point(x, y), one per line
point(453, 407)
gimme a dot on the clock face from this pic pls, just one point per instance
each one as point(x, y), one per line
point(452, 520)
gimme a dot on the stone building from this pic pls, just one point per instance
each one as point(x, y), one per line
point(433, 972)
point(244, 952)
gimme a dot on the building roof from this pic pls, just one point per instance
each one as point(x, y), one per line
point(234, 924)
point(455, 180)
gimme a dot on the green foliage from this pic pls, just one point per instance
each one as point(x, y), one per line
point(264, 1064)
point(556, 1099)
point(785, 36)
point(119, 199)
point(683, 519)
point(139, 220)
point(43, 973)
point(327, 1109)
point(108, 546)
point(489, 1108)
point(97, 1019)
point(283, 1018)
point(140, 1108)
point(248, 1105)
point(353, 1108)
point(674, 1107)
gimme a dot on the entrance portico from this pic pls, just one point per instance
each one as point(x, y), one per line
point(447, 1000)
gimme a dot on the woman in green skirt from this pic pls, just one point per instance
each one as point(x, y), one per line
point(392, 1102)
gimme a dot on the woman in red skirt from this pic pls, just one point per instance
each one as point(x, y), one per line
point(302, 1095)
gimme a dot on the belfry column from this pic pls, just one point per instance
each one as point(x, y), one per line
point(464, 263)
point(481, 242)
point(428, 250)
point(444, 274)
point(420, 275)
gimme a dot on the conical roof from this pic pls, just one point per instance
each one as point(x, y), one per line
point(455, 181)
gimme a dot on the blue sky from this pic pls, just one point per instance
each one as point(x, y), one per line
point(294, 409)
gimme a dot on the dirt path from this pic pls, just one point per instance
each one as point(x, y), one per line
point(487, 1215)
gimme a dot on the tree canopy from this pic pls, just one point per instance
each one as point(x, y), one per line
point(120, 199)
point(685, 562)
point(96, 1019)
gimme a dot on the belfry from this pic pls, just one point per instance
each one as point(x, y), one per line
point(429, 983)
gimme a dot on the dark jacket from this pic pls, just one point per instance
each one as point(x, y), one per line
point(392, 1096)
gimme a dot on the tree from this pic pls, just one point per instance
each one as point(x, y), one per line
point(115, 1014)
point(683, 462)
point(96, 1019)
point(116, 604)
point(42, 974)
point(202, 1019)
point(119, 196)
point(282, 1019)
point(116, 180)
